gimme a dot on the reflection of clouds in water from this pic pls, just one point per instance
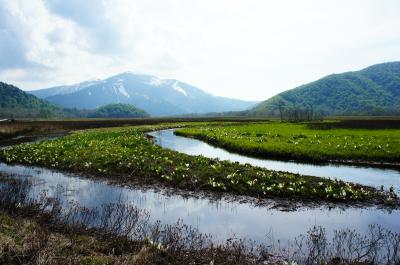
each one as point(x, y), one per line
point(363, 175)
point(221, 219)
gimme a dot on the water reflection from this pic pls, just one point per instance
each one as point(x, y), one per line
point(222, 219)
point(358, 174)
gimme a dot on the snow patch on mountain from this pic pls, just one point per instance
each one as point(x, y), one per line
point(79, 86)
point(122, 90)
point(154, 81)
point(119, 88)
point(176, 87)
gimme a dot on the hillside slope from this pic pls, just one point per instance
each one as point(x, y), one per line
point(161, 97)
point(15, 103)
point(372, 91)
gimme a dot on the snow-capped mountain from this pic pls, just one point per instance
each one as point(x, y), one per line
point(62, 90)
point(159, 97)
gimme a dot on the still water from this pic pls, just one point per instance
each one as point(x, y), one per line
point(369, 176)
point(221, 219)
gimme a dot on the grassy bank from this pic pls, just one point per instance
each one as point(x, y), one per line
point(318, 142)
point(125, 154)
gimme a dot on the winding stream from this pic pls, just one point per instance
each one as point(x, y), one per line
point(370, 176)
point(222, 219)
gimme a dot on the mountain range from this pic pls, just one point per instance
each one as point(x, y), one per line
point(158, 97)
point(374, 90)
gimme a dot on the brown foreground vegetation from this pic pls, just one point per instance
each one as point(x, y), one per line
point(10, 129)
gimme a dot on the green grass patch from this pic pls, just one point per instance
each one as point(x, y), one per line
point(127, 155)
point(303, 142)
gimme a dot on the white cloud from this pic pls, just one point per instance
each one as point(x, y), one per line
point(249, 49)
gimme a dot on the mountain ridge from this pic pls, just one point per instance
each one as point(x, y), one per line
point(160, 97)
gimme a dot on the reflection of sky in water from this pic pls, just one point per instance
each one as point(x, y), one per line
point(363, 175)
point(221, 219)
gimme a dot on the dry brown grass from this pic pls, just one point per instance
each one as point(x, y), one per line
point(24, 241)
point(19, 127)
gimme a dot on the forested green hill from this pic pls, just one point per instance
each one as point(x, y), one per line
point(372, 91)
point(15, 103)
point(118, 111)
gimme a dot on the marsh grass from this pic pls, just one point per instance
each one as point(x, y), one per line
point(366, 141)
point(12, 131)
point(29, 126)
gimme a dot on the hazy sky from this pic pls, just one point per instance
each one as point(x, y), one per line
point(249, 49)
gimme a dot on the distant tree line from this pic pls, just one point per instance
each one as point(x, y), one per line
point(296, 113)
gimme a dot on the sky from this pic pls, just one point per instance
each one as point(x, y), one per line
point(248, 49)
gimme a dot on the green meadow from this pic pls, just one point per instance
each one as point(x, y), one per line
point(317, 142)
